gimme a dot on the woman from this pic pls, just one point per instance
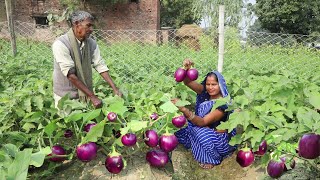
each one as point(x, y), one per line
point(209, 146)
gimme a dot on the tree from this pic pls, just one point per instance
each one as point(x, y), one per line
point(210, 9)
point(175, 13)
point(289, 16)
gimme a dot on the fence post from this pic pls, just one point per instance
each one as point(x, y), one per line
point(11, 26)
point(221, 38)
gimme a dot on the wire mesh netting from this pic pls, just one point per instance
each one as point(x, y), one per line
point(140, 53)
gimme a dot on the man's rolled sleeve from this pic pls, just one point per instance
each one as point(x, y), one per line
point(62, 57)
point(98, 62)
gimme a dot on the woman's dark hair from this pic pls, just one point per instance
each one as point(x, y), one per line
point(210, 74)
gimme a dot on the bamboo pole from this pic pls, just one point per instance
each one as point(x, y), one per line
point(11, 26)
point(221, 38)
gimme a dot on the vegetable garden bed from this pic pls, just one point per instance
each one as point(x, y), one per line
point(276, 105)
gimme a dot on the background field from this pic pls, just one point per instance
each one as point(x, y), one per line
point(273, 78)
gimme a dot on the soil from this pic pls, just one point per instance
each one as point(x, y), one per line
point(182, 166)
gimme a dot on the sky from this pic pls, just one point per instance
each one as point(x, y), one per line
point(243, 24)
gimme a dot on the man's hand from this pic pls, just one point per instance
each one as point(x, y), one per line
point(117, 92)
point(96, 102)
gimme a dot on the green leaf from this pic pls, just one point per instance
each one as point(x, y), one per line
point(20, 112)
point(184, 95)
point(75, 104)
point(95, 133)
point(50, 128)
point(305, 117)
point(35, 117)
point(279, 135)
point(118, 141)
point(235, 140)
point(256, 136)
point(166, 97)
point(288, 113)
point(291, 102)
point(277, 107)
point(27, 104)
point(136, 125)
point(11, 149)
point(230, 124)
point(169, 107)
point(19, 168)
point(118, 107)
point(91, 115)
point(46, 150)
point(27, 126)
point(74, 116)
point(221, 102)
point(243, 117)
point(19, 136)
point(62, 100)
point(272, 120)
point(280, 118)
point(5, 160)
point(2, 173)
point(38, 100)
point(3, 156)
point(124, 130)
point(290, 133)
point(181, 103)
point(302, 128)
point(37, 159)
point(258, 123)
point(265, 159)
point(41, 88)
point(314, 100)
point(242, 100)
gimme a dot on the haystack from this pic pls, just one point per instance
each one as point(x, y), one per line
point(189, 35)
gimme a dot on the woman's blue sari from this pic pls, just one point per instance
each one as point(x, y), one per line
point(207, 145)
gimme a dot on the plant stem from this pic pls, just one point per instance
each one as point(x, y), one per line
point(76, 131)
point(55, 156)
point(160, 117)
point(50, 141)
point(165, 125)
point(130, 154)
point(104, 148)
point(113, 123)
point(295, 155)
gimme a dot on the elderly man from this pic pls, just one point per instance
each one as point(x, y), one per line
point(74, 54)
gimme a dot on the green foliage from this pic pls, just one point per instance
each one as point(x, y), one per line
point(210, 9)
point(289, 16)
point(175, 13)
point(276, 105)
point(14, 163)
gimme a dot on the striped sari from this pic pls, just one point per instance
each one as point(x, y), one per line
point(207, 145)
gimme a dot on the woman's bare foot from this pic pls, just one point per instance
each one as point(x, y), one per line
point(206, 166)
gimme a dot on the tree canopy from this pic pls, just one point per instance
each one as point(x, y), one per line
point(210, 9)
point(289, 16)
point(175, 13)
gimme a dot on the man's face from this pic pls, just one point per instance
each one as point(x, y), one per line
point(83, 29)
